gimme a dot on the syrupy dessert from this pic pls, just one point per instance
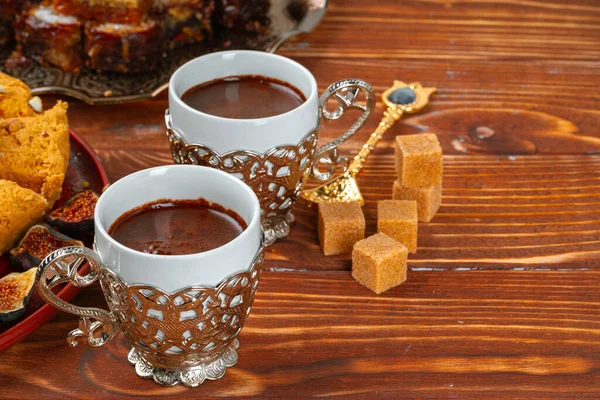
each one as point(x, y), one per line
point(244, 97)
point(177, 227)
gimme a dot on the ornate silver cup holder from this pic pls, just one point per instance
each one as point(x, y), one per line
point(185, 337)
point(278, 175)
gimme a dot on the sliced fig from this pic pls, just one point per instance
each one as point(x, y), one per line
point(77, 214)
point(39, 241)
point(15, 291)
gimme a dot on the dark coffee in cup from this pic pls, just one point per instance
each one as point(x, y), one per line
point(177, 227)
point(244, 97)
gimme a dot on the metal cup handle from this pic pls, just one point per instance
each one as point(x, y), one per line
point(62, 266)
point(346, 93)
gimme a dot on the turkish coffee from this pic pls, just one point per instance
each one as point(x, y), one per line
point(177, 227)
point(244, 97)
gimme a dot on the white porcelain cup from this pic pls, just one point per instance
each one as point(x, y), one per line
point(181, 313)
point(226, 134)
point(274, 155)
point(170, 273)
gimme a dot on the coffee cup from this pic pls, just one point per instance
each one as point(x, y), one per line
point(274, 155)
point(181, 313)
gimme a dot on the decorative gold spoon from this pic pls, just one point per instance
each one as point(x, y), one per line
point(399, 99)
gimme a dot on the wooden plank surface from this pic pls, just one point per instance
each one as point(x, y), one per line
point(502, 300)
point(504, 333)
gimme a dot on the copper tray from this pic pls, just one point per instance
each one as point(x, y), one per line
point(107, 88)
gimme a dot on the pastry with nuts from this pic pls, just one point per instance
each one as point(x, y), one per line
point(34, 156)
point(19, 209)
point(15, 98)
point(33, 162)
point(34, 151)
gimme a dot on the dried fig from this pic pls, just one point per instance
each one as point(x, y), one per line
point(77, 214)
point(39, 241)
point(15, 291)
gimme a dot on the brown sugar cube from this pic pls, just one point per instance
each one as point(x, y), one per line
point(379, 262)
point(419, 160)
point(398, 219)
point(341, 224)
point(428, 198)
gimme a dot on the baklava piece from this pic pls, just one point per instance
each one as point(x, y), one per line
point(124, 11)
point(123, 47)
point(244, 16)
point(50, 38)
point(186, 24)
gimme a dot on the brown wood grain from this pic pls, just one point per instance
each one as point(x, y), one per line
point(502, 299)
point(507, 333)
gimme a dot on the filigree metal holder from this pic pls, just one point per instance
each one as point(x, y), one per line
point(183, 338)
point(278, 175)
point(400, 99)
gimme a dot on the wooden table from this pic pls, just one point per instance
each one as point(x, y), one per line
point(503, 296)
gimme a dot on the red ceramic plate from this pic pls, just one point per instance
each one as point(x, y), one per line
point(84, 170)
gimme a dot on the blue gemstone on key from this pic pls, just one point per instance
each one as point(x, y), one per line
point(403, 96)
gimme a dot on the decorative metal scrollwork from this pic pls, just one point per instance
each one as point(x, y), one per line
point(346, 93)
point(183, 337)
point(276, 176)
point(62, 266)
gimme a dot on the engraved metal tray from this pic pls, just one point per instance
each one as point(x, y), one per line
point(112, 87)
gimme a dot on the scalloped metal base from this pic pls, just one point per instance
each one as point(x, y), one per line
point(190, 377)
point(277, 227)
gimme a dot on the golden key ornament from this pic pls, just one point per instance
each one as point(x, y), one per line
point(400, 99)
